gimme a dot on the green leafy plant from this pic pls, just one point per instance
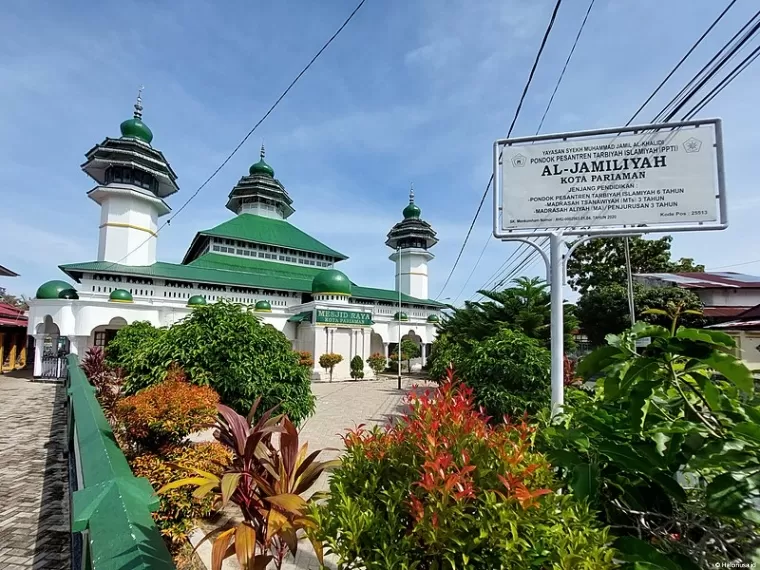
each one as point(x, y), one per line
point(357, 367)
point(668, 447)
point(509, 372)
point(225, 346)
point(265, 481)
point(444, 489)
point(129, 340)
point(377, 362)
point(329, 361)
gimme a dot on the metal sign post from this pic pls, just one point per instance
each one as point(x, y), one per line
point(605, 183)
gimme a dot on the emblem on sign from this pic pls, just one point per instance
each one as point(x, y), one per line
point(692, 145)
point(518, 160)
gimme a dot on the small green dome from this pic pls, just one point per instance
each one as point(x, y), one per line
point(261, 167)
point(52, 289)
point(196, 301)
point(120, 296)
point(400, 317)
point(412, 211)
point(331, 282)
point(263, 307)
point(433, 319)
point(68, 294)
point(136, 129)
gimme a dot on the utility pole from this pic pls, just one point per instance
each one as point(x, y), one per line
point(629, 276)
point(398, 286)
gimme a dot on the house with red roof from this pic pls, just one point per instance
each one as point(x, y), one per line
point(13, 338)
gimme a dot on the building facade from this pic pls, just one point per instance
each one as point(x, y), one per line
point(257, 258)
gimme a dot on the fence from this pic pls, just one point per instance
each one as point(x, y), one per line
point(111, 524)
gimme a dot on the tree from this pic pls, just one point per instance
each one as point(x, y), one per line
point(601, 261)
point(305, 358)
point(409, 350)
point(127, 342)
point(357, 367)
point(328, 361)
point(18, 302)
point(227, 347)
point(377, 362)
point(604, 310)
point(523, 307)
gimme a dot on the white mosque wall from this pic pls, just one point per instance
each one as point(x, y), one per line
point(128, 224)
point(412, 271)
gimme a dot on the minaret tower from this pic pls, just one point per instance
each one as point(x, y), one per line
point(132, 179)
point(260, 193)
point(411, 239)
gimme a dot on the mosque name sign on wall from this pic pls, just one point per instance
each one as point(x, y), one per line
point(352, 318)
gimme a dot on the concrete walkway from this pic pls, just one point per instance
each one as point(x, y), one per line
point(34, 519)
point(340, 406)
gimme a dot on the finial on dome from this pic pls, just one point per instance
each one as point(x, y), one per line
point(138, 103)
point(412, 210)
point(262, 153)
point(411, 193)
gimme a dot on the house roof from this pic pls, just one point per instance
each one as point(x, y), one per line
point(268, 231)
point(240, 271)
point(723, 312)
point(5, 272)
point(727, 280)
point(12, 316)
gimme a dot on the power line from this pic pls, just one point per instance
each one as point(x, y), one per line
point(250, 132)
point(688, 92)
point(511, 127)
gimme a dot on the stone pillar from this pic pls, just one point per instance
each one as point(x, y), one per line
point(39, 346)
point(423, 348)
point(385, 349)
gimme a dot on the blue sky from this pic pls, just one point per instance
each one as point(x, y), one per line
point(411, 91)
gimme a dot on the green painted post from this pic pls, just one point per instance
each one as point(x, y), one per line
point(112, 504)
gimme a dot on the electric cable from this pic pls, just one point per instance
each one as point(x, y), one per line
point(248, 135)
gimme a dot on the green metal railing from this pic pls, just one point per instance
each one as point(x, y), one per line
point(109, 505)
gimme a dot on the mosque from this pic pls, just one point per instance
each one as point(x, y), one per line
point(256, 258)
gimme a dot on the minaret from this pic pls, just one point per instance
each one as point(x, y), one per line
point(260, 193)
point(411, 239)
point(133, 179)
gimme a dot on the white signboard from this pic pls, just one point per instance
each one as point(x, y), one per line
point(628, 179)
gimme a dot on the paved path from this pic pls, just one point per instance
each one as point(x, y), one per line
point(34, 520)
point(340, 405)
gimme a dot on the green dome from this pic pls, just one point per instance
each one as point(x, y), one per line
point(400, 317)
point(136, 129)
point(263, 307)
point(120, 296)
point(68, 294)
point(412, 211)
point(196, 301)
point(331, 282)
point(52, 289)
point(433, 319)
point(261, 167)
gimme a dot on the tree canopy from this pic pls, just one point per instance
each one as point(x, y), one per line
point(604, 310)
point(523, 307)
point(600, 262)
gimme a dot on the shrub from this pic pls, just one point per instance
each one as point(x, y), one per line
point(377, 362)
point(227, 347)
point(106, 381)
point(357, 367)
point(178, 507)
point(328, 361)
point(444, 489)
point(668, 448)
point(265, 482)
point(167, 413)
point(305, 358)
point(508, 371)
point(123, 348)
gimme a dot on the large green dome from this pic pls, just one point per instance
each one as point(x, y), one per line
point(261, 167)
point(120, 296)
point(196, 301)
point(52, 289)
point(331, 282)
point(136, 129)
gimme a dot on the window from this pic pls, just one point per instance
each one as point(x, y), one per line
point(100, 338)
